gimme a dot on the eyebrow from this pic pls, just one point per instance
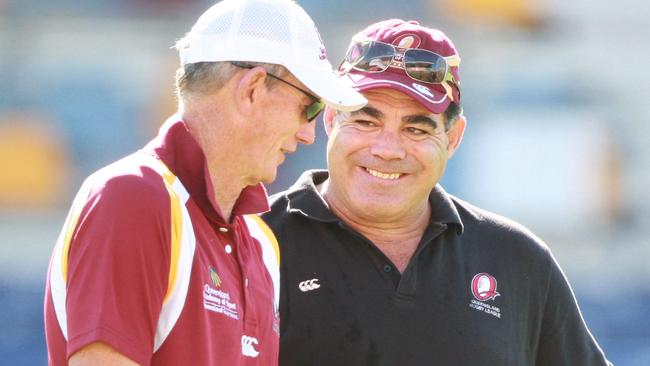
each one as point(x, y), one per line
point(416, 118)
point(370, 111)
point(421, 119)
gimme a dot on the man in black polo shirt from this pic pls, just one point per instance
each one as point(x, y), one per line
point(380, 266)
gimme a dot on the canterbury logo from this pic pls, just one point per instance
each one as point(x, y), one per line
point(309, 285)
point(247, 346)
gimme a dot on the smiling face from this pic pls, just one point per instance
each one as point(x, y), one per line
point(385, 159)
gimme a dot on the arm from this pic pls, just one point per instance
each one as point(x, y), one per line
point(565, 338)
point(98, 354)
point(118, 267)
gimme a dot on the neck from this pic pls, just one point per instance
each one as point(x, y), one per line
point(397, 236)
point(225, 179)
point(225, 191)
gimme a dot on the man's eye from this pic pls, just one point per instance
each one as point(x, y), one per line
point(364, 122)
point(417, 131)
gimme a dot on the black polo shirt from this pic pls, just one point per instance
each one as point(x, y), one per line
point(479, 290)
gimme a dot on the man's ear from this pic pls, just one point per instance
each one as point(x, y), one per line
point(328, 119)
point(455, 135)
point(249, 89)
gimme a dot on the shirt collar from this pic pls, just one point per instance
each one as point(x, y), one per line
point(176, 147)
point(304, 199)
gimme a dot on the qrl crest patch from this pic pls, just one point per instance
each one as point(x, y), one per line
point(484, 287)
point(407, 41)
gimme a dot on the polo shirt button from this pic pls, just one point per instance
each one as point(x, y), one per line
point(228, 249)
point(387, 268)
point(223, 229)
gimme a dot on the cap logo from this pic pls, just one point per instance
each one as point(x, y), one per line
point(407, 41)
point(484, 287)
point(423, 89)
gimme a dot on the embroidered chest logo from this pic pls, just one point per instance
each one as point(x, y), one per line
point(309, 285)
point(484, 288)
point(214, 276)
point(216, 299)
point(248, 346)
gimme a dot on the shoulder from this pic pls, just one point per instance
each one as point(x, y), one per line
point(279, 213)
point(302, 193)
point(122, 207)
point(299, 211)
point(124, 197)
point(279, 202)
point(131, 183)
point(497, 230)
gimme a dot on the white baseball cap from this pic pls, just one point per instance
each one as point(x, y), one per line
point(270, 31)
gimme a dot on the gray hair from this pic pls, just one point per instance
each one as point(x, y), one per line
point(452, 113)
point(203, 78)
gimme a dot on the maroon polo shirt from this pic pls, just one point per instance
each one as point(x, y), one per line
point(122, 273)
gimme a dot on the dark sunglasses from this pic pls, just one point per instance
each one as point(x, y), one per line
point(313, 110)
point(421, 65)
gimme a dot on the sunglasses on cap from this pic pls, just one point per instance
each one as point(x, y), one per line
point(421, 65)
point(313, 110)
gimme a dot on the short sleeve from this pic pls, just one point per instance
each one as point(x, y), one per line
point(565, 338)
point(118, 265)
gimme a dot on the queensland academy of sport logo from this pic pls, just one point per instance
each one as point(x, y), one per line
point(214, 276)
point(484, 288)
point(216, 298)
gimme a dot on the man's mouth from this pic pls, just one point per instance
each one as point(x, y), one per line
point(387, 176)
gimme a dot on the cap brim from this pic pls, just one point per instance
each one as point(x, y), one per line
point(330, 88)
point(432, 97)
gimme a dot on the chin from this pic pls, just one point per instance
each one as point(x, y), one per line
point(379, 205)
point(269, 178)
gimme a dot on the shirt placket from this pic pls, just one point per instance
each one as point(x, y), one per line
point(407, 286)
point(235, 247)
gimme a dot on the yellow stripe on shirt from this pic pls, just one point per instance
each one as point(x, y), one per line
point(71, 226)
point(268, 234)
point(176, 231)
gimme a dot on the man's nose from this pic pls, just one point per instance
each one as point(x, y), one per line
point(307, 133)
point(388, 145)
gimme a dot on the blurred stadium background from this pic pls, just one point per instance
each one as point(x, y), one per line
point(557, 94)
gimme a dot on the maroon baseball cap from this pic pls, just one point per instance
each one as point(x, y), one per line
point(407, 34)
